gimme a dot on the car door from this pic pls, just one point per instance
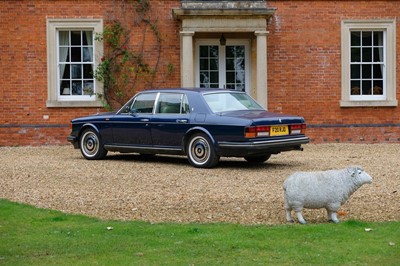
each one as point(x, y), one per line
point(171, 120)
point(133, 125)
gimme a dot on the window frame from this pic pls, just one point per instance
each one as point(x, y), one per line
point(53, 27)
point(388, 98)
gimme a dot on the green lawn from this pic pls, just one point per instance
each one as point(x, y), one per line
point(31, 236)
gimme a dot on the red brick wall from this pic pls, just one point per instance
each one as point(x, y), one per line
point(304, 67)
point(23, 65)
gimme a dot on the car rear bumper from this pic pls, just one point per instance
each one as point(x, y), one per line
point(262, 147)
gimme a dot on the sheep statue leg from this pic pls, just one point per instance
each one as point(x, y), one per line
point(288, 210)
point(333, 217)
point(300, 216)
point(297, 207)
point(331, 210)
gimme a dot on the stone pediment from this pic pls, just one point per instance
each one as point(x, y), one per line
point(239, 9)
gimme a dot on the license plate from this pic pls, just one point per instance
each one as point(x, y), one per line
point(279, 130)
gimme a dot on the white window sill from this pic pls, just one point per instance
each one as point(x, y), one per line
point(74, 104)
point(389, 103)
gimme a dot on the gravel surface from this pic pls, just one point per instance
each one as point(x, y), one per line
point(168, 189)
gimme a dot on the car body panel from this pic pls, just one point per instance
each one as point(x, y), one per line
point(129, 130)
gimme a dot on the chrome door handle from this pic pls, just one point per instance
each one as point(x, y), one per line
point(183, 121)
point(144, 120)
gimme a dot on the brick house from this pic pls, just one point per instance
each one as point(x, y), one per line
point(333, 62)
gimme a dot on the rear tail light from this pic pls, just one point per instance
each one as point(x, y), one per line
point(257, 131)
point(298, 129)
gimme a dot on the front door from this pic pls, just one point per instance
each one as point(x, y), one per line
point(223, 66)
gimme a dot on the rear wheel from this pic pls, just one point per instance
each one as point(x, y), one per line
point(201, 152)
point(257, 159)
point(91, 145)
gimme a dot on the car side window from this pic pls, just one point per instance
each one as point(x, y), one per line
point(172, 103)
point(143, 103)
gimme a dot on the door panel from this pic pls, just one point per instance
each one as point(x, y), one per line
point(132, 129)
point(171, 120)
point(134, 126)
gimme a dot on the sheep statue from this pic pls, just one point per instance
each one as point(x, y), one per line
point(326, 189)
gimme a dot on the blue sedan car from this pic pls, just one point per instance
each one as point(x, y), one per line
point(203, 124)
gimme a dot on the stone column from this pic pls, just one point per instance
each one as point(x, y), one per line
point(187, 71)
point(262, 89)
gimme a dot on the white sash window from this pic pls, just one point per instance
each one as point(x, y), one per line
point(72, 57)
point(368, 63)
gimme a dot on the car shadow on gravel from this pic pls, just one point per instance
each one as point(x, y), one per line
point(224, 163)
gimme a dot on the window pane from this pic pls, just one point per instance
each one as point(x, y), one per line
point(203, 64)
point(76, 71)
point(169, 103)
point(367, 55)
point(76, 87)
point(378, 38)
point(366, 71)
point(213, 51)
point(355, 71)
point(64, 51)
point(240, 77)
point(87, 38)
point(366, 87)
point(87, 54)
point(366, 38)
point(355, 38)
point(378, 71)
point(75, 38)
point(214, 64)
point(63, 38)
point(235, 51)
point(378, 54)
point(378, 87)
point(76, 54)
point(88, 87)
point(64, 71)
point(355, 87)
point(144, 103)
point(230, 64)
point(204, 77)
point(230, 77)
point(88, 71)
point(65, 87)
point(214, 77)
point(203, 51)
point(355, 55)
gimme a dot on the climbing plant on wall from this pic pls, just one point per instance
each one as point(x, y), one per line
point(124, 67)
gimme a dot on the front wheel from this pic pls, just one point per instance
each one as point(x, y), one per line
point(201, 152)
point(91, 145)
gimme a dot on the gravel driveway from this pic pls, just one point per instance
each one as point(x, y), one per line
point(168, 189)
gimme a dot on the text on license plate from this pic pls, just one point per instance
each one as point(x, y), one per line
point(279, 130)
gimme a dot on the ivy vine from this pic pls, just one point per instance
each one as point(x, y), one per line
point(123, 69)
